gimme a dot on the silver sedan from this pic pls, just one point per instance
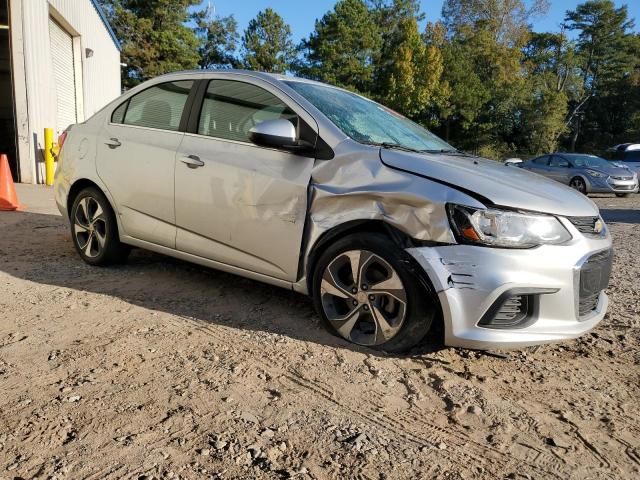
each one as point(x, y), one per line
point(395, 234)
point(585, 173)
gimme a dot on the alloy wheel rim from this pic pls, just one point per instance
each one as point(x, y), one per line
point(90, 227)
point(578, 185)
point(363, 297)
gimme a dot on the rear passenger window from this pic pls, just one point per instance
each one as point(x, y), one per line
point(231, 108)
point(559, 162)
point(159, 107)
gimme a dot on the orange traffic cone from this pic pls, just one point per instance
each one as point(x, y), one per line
point(8, 197)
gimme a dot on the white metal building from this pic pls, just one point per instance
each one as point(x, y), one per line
point(59, 64)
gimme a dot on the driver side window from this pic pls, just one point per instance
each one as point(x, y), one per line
point(231, 108)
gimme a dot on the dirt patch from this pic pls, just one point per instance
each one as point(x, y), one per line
point(161, 369)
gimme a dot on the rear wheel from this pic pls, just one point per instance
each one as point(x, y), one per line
point(369, 292)
point(578, 184)
point(94, 229)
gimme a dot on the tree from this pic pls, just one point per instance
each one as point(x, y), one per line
point(342, 48)
point(608, 54)
point(551, 66)
point(411, 75)
point(154, 36)
point(267, 43)
point(483, 66)
point(506, 20)
point(219, 39)
point(407, 70)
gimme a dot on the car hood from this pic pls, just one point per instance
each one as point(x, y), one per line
point(500, 184)
point(611, 170)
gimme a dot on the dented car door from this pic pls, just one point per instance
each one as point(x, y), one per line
point(238, 203)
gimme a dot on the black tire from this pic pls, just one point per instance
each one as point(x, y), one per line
point(623, 195)
point(578, 183)
point(421, 309)
point(106, 251)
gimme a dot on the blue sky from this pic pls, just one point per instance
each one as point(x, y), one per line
point(301, 15)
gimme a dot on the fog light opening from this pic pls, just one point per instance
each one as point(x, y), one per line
point(516, 308)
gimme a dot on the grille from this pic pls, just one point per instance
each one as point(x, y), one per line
point(623, 187)
point(614, 177)
point(585, 224)
point(594, 278)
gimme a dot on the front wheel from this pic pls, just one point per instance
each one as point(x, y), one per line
point(623, 195)
point(578, 184)
point(94, 229)
point(369, 292)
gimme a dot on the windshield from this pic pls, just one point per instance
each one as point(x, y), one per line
point(588, 161)
point(366, 121)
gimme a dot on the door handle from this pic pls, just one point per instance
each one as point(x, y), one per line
point(192, 161)
point(113, 143)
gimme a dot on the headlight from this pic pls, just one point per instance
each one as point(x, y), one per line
point(593, 173)
point(504, 228)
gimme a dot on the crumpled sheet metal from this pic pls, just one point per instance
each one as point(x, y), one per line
point(361, 187)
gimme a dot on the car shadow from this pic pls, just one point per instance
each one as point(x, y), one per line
point(624, 215)
point(38, 248)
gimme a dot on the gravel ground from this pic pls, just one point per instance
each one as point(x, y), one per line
point(161, 369)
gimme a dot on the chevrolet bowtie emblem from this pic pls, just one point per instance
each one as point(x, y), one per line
point(598, 226)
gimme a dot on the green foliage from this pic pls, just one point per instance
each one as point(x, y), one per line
point(219, 39)
point(154, 36)
point(480, 77)
point(267, 43)
point(483, 66)
point(608, 57)
point(341, 49)
point(407, 70)
point(553, 79)
point(411, 73)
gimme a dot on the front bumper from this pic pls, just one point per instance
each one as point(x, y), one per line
point(469, 280)
point(612, 185)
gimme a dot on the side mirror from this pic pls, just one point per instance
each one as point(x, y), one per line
point(278, 133)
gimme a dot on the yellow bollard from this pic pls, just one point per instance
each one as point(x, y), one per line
point(49, 166)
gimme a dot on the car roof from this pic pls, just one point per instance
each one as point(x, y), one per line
point(623, 147)
point(574, 155)
point(250, 73)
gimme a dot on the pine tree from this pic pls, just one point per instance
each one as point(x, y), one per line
point(342, 47)
point(154, 36)
point(608, 54)
point(219, 39)
point(267, 43)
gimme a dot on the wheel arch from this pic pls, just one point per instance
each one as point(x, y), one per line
point(400, 238)
point(77, 187)
point(584, 178)
point(363, 226)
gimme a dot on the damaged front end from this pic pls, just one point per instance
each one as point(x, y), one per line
point(489, 297)
point(356, 188)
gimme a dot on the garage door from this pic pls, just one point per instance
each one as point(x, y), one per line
point(64, 75)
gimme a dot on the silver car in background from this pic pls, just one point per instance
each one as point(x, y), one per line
point(585, 173)
point(394, 233)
